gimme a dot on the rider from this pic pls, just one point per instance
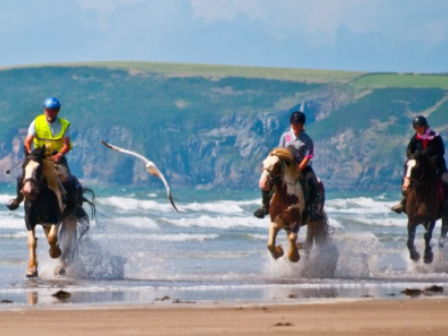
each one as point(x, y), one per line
point(302, 148)
point(427, 142)
point(54, 132)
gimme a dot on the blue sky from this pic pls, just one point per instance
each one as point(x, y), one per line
point(365, 35)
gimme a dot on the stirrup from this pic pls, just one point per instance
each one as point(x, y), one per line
point(315, 216)
point(13, 204)
point(261, 213)
point(397, 208)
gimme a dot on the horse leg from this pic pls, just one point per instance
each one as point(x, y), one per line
point(293, 254)
point(414, 255)
point(32, 263)
point(428, 256)
point(276, 251)
point(52, 237)
point(444, 231)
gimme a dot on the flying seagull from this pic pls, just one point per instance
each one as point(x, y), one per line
point(150, 167)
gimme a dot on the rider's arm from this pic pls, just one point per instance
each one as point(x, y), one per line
point(304, 163)
point(309, 153)
point(28, 141)
point(66, 147)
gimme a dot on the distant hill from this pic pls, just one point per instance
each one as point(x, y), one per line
point(210, 126)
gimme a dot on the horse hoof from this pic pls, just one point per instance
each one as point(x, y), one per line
point(276, 251)
point(55, 253)
point(428, 258)
point(415, 255)
point(294, 256)
point(59, 270)
point(32, 274)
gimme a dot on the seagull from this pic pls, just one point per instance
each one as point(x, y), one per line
point(150, 167)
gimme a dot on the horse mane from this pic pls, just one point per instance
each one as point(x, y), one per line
point(283, 154)
point(288, 158)
point(50, 172)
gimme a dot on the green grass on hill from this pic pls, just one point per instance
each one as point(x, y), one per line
point(401, 81)
point(219, 71)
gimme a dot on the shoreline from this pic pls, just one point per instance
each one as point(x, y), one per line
point(329, 317)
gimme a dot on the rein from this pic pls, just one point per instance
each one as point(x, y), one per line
point(277, 177)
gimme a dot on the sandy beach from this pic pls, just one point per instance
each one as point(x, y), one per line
point(364, 317)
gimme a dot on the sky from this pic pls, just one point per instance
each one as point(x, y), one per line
point(360, 35)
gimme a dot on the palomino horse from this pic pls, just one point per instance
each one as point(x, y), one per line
point(424, 204)
point(63, 222)
point(287, 207)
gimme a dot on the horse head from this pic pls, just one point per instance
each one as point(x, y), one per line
point(32, 172)
point(278, 162)
point(420, 169)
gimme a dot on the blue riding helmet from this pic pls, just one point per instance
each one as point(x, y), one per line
point(52, 104)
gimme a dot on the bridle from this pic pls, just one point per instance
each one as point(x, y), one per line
point(33, 180)
point(276, 178)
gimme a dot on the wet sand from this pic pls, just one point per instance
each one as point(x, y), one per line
point(364, 317)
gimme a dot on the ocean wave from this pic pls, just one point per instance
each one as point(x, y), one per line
point(175, 237)
point(140, 222)
point(219, 222)
point(360, 205)
point(130, 204)
point(4, 198)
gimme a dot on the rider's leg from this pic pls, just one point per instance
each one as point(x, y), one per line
point(314, 194)
point(266, 200)
point(14, 203)
point(401, 206)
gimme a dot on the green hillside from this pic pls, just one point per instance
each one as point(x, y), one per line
point(210, 126)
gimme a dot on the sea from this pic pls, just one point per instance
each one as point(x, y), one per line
point(139, 250)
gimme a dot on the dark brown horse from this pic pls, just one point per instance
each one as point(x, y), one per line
point(64, 223)
point(424, 204)
point(287, 208)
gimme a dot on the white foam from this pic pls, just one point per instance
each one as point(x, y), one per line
point(220, 222)
point(388, 221)
point(223, 207)
point(175, 237)
point(136, 221)
point(360, 205)
point(130, 204)
point(4, 198)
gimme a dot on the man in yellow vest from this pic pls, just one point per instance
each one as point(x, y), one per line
point(53, 132)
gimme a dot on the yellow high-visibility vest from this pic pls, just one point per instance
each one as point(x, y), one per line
point(44, 137)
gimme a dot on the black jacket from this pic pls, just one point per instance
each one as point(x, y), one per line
point(434, 148)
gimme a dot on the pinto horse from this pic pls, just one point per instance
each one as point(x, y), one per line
point(424, 204)
point(62, 216)
point(287, 208)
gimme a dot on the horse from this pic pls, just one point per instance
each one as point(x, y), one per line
point(59, 210)
point(287, 209)
point(424, 204)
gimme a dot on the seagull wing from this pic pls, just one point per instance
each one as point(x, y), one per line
point(150, 167)
point(126, 151)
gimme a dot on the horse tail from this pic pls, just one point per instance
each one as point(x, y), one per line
point(82, 217)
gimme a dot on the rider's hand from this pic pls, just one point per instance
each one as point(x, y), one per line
point(405, 184)
point(57, 157)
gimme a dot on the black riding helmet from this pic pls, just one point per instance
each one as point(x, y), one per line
point(297, 117)
point(419, 121)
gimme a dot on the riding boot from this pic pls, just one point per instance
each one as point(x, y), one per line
point(14, 203)
point(266, 199)
point(314, 202)
point(401, 206)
